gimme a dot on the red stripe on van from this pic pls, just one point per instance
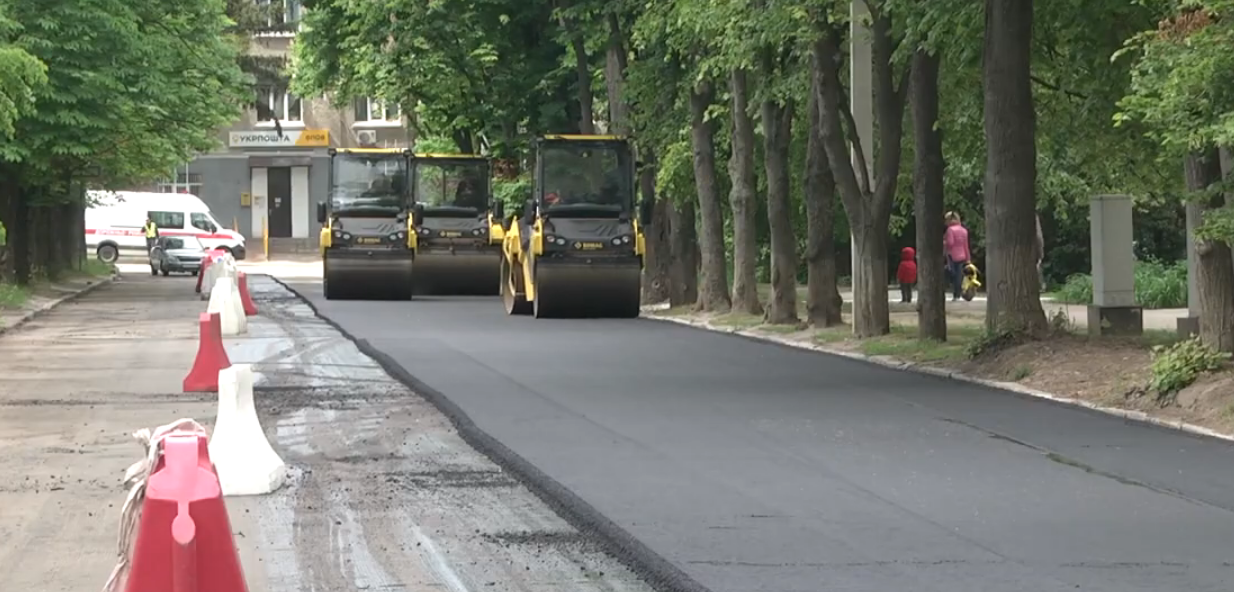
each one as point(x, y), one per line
point(175, 232)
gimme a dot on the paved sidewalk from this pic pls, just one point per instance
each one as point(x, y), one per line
point(77, 381)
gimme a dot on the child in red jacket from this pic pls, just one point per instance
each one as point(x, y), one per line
point(907, 273)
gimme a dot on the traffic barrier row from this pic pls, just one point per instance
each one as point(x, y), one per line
point(175, 533)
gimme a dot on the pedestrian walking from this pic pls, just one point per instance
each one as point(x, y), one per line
point(955, 245)
point(906, 274)
point(152, 233)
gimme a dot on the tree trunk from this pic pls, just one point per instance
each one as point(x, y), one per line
point(742, 199)
point(20, 235)
point(1215, 263)
point(463, 139)
point(66, 233)
point(45, 237)
point(713, 291)
point(614, 78)
point(8, 215)
point(928, 169)
point(1013, 293)
point(869, 211)
point(683, 285)
point(871, 308)
point(659, 255)
point(777, 134)
point(582, 70)
point(823, 301)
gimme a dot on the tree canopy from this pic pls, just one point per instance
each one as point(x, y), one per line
point(1118, 93)
point(105, 93)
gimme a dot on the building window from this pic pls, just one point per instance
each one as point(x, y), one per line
point(283, 105)
point(282, 15)
point(373, 111)
point(182, 182)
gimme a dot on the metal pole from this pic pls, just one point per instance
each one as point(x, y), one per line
point(861, 101)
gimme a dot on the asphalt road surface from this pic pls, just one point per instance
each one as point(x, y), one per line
point(753, 467)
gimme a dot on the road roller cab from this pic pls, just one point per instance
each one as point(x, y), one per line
point(367, 247)
point(577, 249)
point(457, 225)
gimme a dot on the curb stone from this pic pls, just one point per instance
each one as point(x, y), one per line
point(888, 362)
point(34, 313)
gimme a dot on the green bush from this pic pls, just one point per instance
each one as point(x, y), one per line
point(513, 192)
point(12, 295)
point(1157, 285)
point(1177, 366)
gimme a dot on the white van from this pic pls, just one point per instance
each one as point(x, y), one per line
point(115, 221)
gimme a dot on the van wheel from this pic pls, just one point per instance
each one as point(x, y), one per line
point(108, 253)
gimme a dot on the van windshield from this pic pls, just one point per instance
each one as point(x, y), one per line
point(203, 221)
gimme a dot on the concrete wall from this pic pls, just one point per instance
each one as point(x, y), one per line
point(226, 176)
point(222, 181)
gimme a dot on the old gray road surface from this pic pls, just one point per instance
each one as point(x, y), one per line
point(384, 494)
point(74, 384)
point(756, 467)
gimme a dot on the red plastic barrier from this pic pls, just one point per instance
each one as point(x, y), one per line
point(211, 356)
point(246, 299)
point(184, 541)
point(211, 256)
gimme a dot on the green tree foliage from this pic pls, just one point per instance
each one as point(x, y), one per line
point(1182, 92)
point(1182, 87)
point(489, 74)
point(22, 77)
point(134, 87)
point(473, 71)
point(131, 88)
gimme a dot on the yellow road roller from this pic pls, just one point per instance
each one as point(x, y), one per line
point(457, 225)
point(577, 249)
point(367, 247)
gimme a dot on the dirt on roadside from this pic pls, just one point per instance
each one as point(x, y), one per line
point(382, 492)
point(77, 381)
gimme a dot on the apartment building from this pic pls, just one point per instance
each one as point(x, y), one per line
point(261, 179)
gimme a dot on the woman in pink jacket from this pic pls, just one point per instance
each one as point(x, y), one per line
point(955, 245)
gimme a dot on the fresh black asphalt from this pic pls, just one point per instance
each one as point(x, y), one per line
point(755, 467)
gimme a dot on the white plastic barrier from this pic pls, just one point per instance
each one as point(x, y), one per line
point(207, 279)
point(225, 300)
point(243, 457)
point(215, 270)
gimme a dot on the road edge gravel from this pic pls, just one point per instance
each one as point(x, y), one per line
point(1011, 387)
point(655, 570)
point(34, 313)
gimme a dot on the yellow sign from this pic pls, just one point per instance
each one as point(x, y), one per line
point(314, 138)
point(246, 199)
point(272, 139)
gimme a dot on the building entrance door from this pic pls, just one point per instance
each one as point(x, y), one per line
point(278, 200)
